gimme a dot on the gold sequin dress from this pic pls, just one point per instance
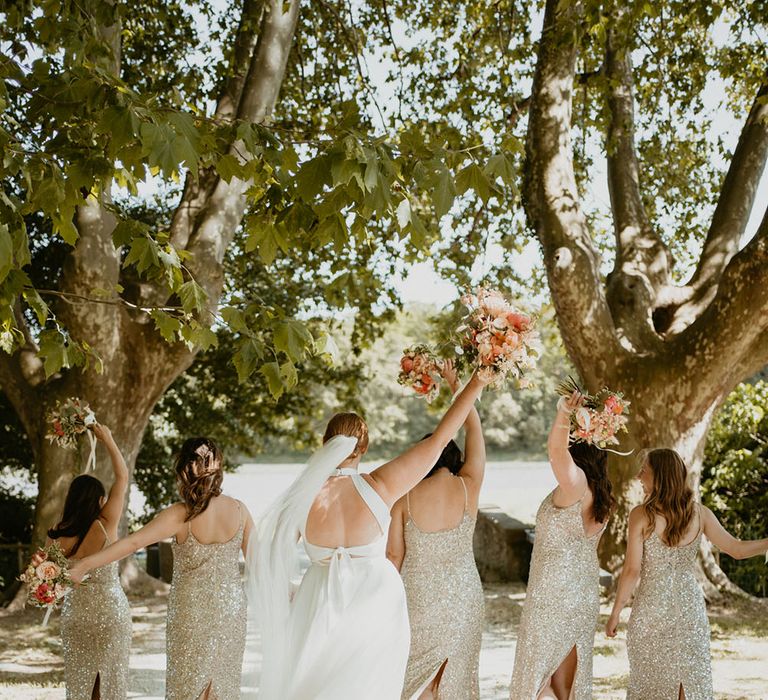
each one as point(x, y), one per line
point(668, 632)
point(562, 603)
point(205, 637)
point(446, 608)
point(96, 635)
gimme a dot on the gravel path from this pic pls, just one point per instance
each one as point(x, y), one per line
point(31, 668)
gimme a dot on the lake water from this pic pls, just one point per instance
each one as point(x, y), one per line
point(515, 487)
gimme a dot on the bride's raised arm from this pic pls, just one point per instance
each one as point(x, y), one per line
point(398, 476)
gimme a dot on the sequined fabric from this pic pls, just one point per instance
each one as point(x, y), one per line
point(562, 603)
point(206, 620)
point(445, 607)
point(668, 633)
point(96, 636)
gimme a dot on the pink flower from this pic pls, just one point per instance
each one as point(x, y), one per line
point(614, 404)
point(406, 364)
point(48, 570)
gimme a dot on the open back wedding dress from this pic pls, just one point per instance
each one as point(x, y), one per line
point(344, 634)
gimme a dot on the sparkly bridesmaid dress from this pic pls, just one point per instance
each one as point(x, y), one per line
point(96, 635)
point(562, 603)
point(668, 632)
point(206, 619)
point(446, 608)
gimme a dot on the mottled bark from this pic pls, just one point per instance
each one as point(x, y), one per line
point(675, 374)
point(138, 365)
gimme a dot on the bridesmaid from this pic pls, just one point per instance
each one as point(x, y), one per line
point(553, 659)
point(445, 599)
point(95, 619)
point(206, 606)
point(668, 633)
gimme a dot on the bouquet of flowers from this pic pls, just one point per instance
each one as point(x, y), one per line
point(420, 371)
point(600, 419)
point(48, 581)
point(496, 338)
point(69, 420)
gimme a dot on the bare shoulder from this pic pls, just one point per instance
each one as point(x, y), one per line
point(638, 517)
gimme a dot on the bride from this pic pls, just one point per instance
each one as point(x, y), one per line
point(344, 634)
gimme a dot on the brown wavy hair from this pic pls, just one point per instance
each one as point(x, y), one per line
point(594, 463)
point(671, 496)
point(349, 424)
point(199, 474)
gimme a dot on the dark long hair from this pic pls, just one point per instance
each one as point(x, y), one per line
point(594, 463)
point(450, 458)
point(671, 496)
point(81, 508)
point(199, 474)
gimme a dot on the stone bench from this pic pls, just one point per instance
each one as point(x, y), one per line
point(503, 547)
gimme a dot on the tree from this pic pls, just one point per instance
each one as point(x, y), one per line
point(682, 317)
point(676, 349)
point(99, 300)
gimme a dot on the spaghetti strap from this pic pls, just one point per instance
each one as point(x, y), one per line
point(104, 530)
point(408, 502)
point(466, 498)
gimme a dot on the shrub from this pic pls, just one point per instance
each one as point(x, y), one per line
point(735, 477)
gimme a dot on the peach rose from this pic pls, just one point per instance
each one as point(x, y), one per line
point(47, 571)
point(406, 364)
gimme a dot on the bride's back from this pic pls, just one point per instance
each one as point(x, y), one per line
point(339, 517)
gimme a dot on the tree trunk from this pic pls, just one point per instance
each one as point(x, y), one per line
point(138, 366)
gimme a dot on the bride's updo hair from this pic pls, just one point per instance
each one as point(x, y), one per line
point(349, 424)
point(199, 474)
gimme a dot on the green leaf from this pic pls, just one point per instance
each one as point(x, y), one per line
point(38, 306)
point(199, 336)
point(473, 177)
point(229, 167)
point(235, 319)
point(293, 338)
point(249, 352)
point(168, 326)
point(192, 296)
point(6, 252)
point(144, 253)
point(53, 351)
point(271, 371)
point(444, 192)
point(288, 375)
point(312, 177)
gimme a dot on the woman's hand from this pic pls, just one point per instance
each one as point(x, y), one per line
point(103, 433)
point(612, 625)
point(448, 370)
point(78, 570)
point(568, 404)
point(37, 558)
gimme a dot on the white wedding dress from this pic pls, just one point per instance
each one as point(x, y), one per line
point(344, 635)
point(348, 630)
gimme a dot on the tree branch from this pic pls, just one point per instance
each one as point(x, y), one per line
point(643, 261)
point(737, 195)
point(729, 335)
point(245, 42)
point(552, 203)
